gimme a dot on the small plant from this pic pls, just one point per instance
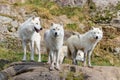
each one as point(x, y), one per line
point(71, 26)
point(74, 76)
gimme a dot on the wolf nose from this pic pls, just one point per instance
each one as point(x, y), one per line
point(40, 28)
point(55, 33)
point(96, 37)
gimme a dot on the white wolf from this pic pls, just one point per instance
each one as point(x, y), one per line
point(64, 53)
point(29, 32)
point(54, 42)
point(80, 55)
point(85, 42)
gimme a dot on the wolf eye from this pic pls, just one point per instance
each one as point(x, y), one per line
point(37, 23)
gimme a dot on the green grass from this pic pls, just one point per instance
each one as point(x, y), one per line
point(75, 76)
point(8, 56)
point(71, 26)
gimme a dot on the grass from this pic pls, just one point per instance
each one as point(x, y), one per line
point(75, 76)
point(9, 56)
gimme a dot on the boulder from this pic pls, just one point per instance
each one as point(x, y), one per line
point(40, 71)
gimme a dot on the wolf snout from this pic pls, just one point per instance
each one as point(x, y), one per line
point(37, 30)
point(41, 28)
point(55, 33)
point(96, 37)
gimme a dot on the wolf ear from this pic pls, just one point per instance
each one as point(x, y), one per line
point(100, 28)
point(92, 27)
point(33, 17)
point(38, 18)
point(61, 23)
point(52, 24)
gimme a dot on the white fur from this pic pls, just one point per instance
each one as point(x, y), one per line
point(85, 42)
point(64, 51)
point(28, 32)
point(63, 54)
point(80, 55)
point(54, 41)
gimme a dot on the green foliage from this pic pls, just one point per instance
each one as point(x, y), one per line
point(69, 11)
point(118, 6)
point(41, 3)
point(102, 17)
point(71, 26)
point(74, 76)
point(8, 56)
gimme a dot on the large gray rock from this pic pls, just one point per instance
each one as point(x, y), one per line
point(105, 3)
point(40, 71)
point(72, 3)
point(101, 4)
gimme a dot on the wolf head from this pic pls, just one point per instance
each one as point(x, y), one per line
point(80, 55)
point(96, 33)
point(56, 30)
point(36, 23)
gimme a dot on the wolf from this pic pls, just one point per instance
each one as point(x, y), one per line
point(80, 55)
point(85, 42)
point(29, 32)
point(62, 55)
point(54, 41)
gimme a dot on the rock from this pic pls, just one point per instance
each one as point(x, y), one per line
point(5, 20)
point(40, 71)
point(72, 3)
point(105, 3)
point(115, 22)
point(80, 3)
point(13, 29)
point(117, 50)
point(3, 76)
point(14, 24)
point(64, 19)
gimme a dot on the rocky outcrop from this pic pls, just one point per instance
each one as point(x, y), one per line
point(102, 4)
point(40, 71)
point(116, 49)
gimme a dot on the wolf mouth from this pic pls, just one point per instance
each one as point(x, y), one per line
point(37, 30)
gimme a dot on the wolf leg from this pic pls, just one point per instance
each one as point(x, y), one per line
point(24, 48)
point(57, 60)
point(85, 58)
point(52, 60)
point(32, 50)
point(38, 49)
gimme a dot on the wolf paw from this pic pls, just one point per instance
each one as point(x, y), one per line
point(51, 68)
point(23, 60)
point(90, 66)
point(57, 68)
point(39, 60)
point(84, 65)
point(32, 61)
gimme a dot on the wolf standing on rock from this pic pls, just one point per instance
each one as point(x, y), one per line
point(54, 42)
point(29, 32)
point(85, 42)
